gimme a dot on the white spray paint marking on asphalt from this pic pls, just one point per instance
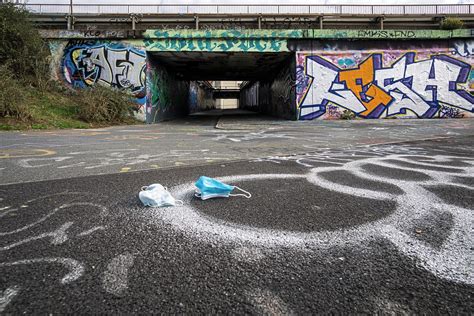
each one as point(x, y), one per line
point(58, 237)
point(450, 262)
point(268, 303)
point(115, 279)
point(247, 254)
point(75, 268)
point(7, 210)
point(62, 207)
point(7, 296)
point(92, 230)
point(28, 163)
point(100, 151)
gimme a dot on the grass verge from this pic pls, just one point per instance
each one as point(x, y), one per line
point(54, 110)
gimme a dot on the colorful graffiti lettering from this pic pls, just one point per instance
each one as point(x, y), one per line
point(450, 112)
point(112, 64)
point(371, 91)
point(216, 45)
point(217, 41)
point(463, 48)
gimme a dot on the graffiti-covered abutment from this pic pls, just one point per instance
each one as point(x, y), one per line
point(291, 74)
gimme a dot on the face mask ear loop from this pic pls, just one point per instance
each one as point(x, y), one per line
point(179, 202)
point(144, 188)
point(247, 195)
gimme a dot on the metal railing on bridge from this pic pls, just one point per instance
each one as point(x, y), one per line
point(254, 9)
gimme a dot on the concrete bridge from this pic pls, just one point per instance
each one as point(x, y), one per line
point(295, 73)
point(222, 16)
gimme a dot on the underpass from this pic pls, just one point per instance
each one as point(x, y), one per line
point(266, 88)
point(346, 216)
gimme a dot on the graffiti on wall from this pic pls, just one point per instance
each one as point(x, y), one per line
point(219, 40)
point(112, 64)
point(200, 97)
point(463, 48)
point(167, 96)
point(436, 86)
point(217, 45)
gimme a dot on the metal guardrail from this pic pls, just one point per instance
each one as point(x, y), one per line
point(254, 9)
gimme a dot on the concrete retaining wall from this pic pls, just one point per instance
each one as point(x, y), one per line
point(383, 79)
point(377, 74)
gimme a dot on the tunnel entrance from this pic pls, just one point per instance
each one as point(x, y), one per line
point(217, 83)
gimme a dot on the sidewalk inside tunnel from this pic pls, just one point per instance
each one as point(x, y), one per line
point(238, 84)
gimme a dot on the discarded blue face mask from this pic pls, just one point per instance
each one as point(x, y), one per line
point(208, 188)
point(156, 195)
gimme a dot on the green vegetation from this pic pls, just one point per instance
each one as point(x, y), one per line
point(35, 109)
point(451, 24)
point(102, 104)
point(29, 99)
point(348, 115)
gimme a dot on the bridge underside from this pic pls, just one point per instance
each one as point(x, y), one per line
point(242, 66)
point(173, 76)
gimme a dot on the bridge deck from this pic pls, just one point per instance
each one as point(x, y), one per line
point(248, 16)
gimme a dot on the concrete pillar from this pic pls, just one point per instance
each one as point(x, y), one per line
point(70, 16)
point(134, 21)
point(70, 22)
point(196, 21)
point(321, 26)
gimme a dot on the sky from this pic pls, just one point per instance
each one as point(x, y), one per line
point(256, 2)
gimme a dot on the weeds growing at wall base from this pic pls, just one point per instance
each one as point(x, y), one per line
point(29, 99)
point(348, 115)
point(33, 108)
point(102, 104)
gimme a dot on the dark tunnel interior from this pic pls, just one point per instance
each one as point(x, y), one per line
point(184, 83)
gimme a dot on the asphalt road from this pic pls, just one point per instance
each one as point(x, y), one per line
point(61, 154)
point(359, 229)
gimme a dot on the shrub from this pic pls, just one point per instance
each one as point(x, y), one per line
point(103, 104)
point(451, 24)
point(21, 46)
point(348, 115)
point(12, 100)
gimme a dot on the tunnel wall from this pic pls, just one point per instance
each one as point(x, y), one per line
point(384, 79)
point(167, 96)
point(282, 92)
point(249, 96)
point(276, 96)
point(200, 97)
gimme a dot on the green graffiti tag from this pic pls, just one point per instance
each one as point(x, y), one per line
point(220, 40)
point(216, 45)
point(220, 34)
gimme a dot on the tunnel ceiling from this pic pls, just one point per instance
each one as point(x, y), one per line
point(221, 66)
